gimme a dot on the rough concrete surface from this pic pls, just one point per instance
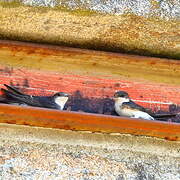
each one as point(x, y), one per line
point(162, 8)
point(122, 33)
point(39, 153)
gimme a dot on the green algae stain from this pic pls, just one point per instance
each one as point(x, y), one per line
point(115, 38)
point(82, 12)
point(42, 9)
point(12, 4)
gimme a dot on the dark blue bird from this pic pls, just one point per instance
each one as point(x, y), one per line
point(14, 96)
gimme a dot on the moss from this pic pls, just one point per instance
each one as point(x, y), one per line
point(119, 38)
point(82, 12)
point(12, 4)
point(77, 12)
point(41, 9)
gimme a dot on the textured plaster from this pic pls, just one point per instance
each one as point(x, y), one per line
point(40, 153)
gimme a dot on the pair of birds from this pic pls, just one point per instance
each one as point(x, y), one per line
point(124, 106)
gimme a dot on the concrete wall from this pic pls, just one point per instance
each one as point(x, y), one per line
point(162, 8)
point(128, 31)
point(39, 153)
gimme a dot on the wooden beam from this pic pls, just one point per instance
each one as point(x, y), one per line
point(77, 121)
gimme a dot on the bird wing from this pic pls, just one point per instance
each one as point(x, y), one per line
point(3, 100)
point(133, 105)
point(164, 115)
point(37, 101)
point(138, 107)
point(46, 101)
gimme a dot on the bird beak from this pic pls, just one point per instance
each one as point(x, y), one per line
point(66, 95)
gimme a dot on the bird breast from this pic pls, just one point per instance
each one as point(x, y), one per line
point(61, 101)
point(128, 112)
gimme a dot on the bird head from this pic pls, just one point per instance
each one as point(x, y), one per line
point(61, 94)
point(121, 95)
point(61, 98)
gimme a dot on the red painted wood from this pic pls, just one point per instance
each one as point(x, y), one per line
point(45, 83)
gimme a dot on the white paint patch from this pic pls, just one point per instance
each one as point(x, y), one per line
point(153, 102)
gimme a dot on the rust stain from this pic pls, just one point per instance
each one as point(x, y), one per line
point(30, 48)
point(152, 62)
point(36, 75)
point(88, 122)
point(81, 61)
point(175, 138)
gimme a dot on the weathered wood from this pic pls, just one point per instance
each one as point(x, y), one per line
point(87, 122)
point(42, 69)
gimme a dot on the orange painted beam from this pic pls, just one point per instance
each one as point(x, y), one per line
point(81, 62)
point(87, 122)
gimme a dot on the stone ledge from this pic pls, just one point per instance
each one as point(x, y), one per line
point(122, 33)
point(30, 152)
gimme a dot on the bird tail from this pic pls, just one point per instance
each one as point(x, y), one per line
point(164, 115)
point(13, 95)
point(7, 94)
point(3, 100)
point(13, 89)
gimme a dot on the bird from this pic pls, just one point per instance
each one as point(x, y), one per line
point(14, 96)
point(124, 106)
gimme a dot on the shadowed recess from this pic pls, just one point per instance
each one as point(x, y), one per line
point(80, 103)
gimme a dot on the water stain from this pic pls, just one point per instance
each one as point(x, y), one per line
point(7, 70)
point(26, 83)
point(78, 102)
